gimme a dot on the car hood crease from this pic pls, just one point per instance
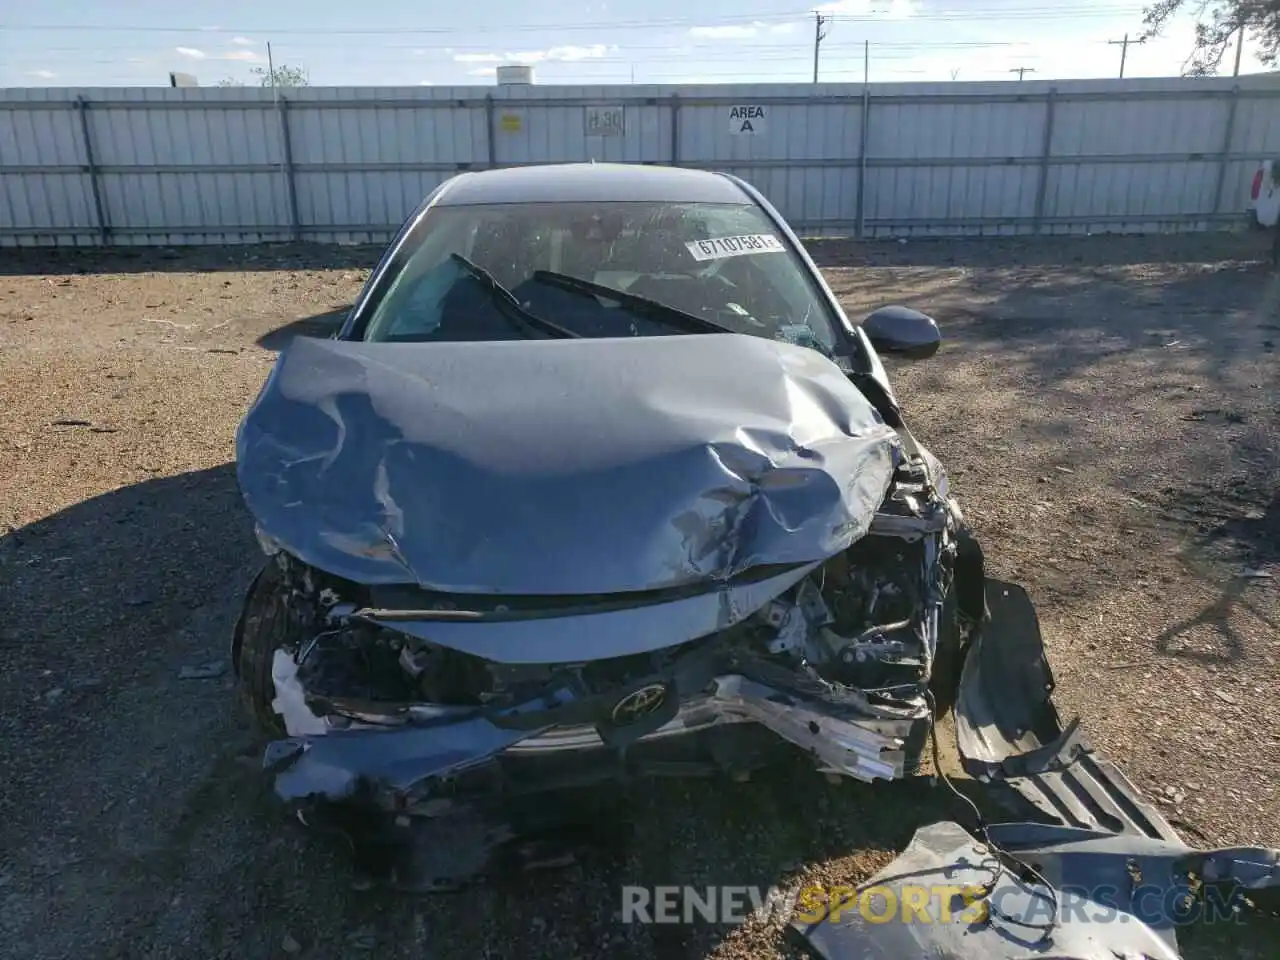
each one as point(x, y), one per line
point(536, 467)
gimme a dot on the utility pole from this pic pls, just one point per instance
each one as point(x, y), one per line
point(1239, 49)
point(818, 37)
point(1124, 49)
point(1021, 70)
point(866, 62)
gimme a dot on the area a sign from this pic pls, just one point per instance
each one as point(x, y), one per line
point(746, 118)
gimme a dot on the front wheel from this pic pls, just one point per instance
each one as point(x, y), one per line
point(265, 625)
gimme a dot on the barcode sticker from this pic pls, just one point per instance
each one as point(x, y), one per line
point(720, 247)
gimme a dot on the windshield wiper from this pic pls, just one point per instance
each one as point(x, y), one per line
point(506, 300)
point(653, 309)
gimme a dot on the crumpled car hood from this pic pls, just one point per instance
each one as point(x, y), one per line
point(561, 466)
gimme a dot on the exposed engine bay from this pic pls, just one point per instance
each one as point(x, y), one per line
point(839, 663)
point(853, 624)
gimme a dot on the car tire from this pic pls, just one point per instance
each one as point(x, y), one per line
point(265, 626)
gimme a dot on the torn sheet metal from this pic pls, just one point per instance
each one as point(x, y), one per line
point(499, 467)
point(403, 763)
point(1008, 730)
point(1109, 897)
point(614, 632)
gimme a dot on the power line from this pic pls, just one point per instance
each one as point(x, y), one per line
point(765, 19)
point(1051, 11)
point(968, 13)
point(849, 52)
point(734, 52)
point(1021, 70)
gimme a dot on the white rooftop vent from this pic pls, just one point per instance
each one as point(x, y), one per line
point(514, 74)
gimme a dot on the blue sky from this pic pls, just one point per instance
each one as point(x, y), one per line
point(407, 42)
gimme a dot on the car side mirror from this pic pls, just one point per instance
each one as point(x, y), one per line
point(902, 331)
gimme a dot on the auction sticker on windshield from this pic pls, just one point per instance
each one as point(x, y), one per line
point(719, 247)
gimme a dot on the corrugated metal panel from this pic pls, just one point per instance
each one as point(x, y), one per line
point(212, 164)
point(803, 156)
point(407, 127)
point(61, 204)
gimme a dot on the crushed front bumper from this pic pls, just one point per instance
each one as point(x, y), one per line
point(407, 767)
point(449, 796)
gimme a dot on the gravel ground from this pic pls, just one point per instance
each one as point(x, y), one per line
point(1108, 408)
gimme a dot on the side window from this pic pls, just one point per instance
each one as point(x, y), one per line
point(419, 306)
point(423, 275)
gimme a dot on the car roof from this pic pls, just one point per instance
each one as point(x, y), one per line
point(592, 182)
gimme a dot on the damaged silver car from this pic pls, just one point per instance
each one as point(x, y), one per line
point(596, 481)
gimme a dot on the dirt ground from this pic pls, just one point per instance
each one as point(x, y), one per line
point(1109, 409)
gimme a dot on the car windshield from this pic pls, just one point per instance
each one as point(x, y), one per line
point(686, 268)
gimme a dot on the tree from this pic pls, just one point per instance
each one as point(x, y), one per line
point(282, 76)
point(1217, 22)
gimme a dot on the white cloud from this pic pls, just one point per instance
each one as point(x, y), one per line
point(41, 74)
point(724, 33)
point(782, 28)
point(858, 7)
point(483, 72)
point(192, 52)
point(242, 41)
point(245, 56)
point(569, 53)
point(425, 83)
point(593, 52)
point(892, 10)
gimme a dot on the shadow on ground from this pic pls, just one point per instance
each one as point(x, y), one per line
point(157, 828)
point(135, 813)
point(121, 564)
point(96, 592)
point(1237, 522)
point(1062, 251)
point(1067, 320)
point(214, 258)
point(320, 325)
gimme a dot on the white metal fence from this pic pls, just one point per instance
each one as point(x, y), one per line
point(214, 165)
